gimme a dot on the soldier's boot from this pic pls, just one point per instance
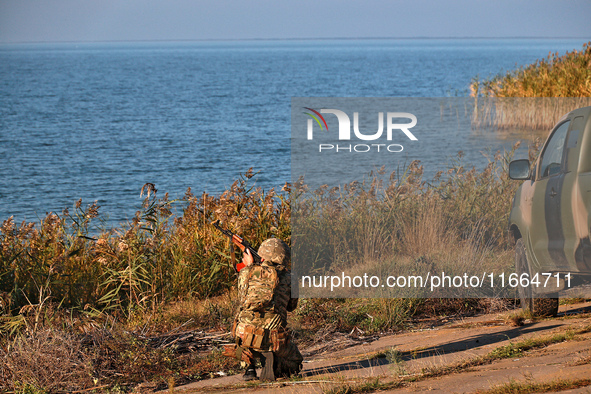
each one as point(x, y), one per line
point(268, 372)
point(250, 374)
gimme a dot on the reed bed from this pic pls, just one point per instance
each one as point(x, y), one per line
point(98, 292)
point(157, 257)
point(153, 259)
point(402, 223)
point(513, 113)
point(559, 85)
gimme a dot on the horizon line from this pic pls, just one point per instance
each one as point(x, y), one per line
point(296, 39)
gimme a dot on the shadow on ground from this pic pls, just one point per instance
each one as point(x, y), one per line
point(471, 342)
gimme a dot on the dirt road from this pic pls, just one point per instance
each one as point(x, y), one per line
point(466, 356)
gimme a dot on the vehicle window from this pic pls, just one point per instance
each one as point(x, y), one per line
point(552, 155)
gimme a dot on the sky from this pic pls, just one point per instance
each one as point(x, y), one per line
point(138, 20)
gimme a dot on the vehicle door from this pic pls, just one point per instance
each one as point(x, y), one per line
point(547, 234)
point(579, 245)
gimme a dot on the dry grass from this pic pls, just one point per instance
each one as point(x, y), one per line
point(516, 387)
point(425, 233)
point(212, 313)
point(50, 360)
point(369, 386)
point(518, 318)
point(59, 359)
point(570, 301)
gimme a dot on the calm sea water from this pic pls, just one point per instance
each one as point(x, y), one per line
point(97, 121)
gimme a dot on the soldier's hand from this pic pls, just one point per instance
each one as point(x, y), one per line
point(247, 258)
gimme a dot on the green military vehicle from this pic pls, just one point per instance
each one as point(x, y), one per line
point(551, 215)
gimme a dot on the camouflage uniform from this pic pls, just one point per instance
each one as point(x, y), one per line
point(260, 327)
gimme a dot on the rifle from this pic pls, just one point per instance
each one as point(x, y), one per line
point(242, 244)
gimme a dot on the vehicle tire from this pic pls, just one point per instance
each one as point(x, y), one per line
point(547, 306)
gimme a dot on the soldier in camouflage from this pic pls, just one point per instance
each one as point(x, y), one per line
point(260, 327)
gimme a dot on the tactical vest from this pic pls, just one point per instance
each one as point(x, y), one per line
point(265, 291)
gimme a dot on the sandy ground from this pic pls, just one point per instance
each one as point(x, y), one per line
point(440, 347)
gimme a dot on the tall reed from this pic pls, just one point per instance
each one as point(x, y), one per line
point(406, 224)
point(152, 259)
point(567, 77)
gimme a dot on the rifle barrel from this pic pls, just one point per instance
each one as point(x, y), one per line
point(239, 241)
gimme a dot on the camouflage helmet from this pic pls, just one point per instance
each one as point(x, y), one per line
point(276, 251)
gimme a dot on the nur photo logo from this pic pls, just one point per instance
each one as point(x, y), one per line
point(395, 122)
